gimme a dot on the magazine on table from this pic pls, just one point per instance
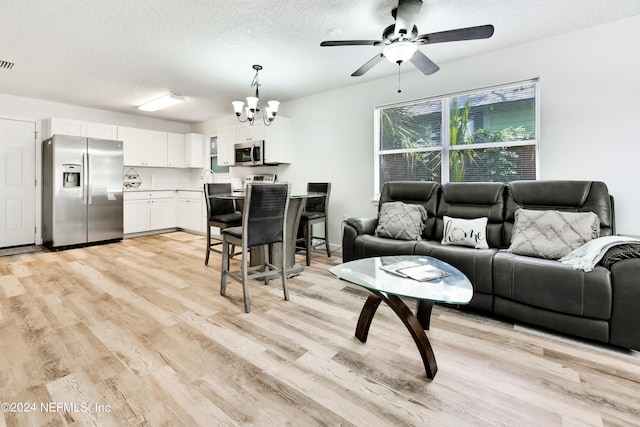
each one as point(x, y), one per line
point(415, 271)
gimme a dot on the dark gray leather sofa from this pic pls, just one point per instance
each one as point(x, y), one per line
point(601, 305)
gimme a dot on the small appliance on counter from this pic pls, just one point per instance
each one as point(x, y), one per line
point(269, 178)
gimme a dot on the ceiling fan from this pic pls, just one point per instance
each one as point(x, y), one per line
point(401, 40)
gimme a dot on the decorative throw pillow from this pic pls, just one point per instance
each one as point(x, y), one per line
point(465, 232)
point(401, 221)
point(552, 234)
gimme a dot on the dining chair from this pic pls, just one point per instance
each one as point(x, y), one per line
point(263, 225)
point(221, 213)
point(315, 212)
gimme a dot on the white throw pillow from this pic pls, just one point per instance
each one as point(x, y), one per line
point(465, 232)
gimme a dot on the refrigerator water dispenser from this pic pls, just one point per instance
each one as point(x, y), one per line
point(71, 175)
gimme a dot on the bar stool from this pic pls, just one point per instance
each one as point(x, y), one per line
point(315, 212)
point(263, 224)
point(221, 213)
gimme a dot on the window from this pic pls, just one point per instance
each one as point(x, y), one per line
point(214, 157)
point(489, 135)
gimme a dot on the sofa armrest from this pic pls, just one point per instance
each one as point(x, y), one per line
point(625, 315)
point(363, 225)
point(353, 227)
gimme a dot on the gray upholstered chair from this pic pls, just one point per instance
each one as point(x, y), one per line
point(221, 213)
point(315, 212)
point(263, 225)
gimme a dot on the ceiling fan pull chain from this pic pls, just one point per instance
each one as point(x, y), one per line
point(399, 90)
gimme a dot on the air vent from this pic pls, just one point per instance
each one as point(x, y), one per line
point(6, 65)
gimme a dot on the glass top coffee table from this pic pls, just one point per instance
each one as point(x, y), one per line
point(387, 278)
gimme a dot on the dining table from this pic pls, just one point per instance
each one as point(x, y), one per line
point(297, 203)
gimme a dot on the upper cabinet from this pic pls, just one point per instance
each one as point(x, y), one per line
point(102, 131)
point(175, 150)
point(132, 145)
point(227, 137)
point(277, 141)
point(142, 147)
point(276, 137)
point(154, 148)
point(195, 151)
point(247, 132)
point(59, 126)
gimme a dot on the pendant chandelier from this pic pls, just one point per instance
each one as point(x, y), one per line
point(253, 105)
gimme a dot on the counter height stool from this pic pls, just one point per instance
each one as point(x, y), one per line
point(315, 212)
point(221, 213)
point(263, 224)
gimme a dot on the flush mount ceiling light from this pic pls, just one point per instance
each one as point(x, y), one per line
point(253, 105)
point(160, 103)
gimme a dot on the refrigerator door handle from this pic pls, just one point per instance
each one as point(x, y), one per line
point(88, 186)
point(85, 178)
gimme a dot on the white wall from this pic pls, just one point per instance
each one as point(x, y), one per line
point(589, 109)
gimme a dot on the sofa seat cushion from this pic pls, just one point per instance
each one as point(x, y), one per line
point(366, 246)
point(476, 264)
point(551, 285)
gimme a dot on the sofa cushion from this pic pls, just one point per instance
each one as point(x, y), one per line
point(366, 246)
point(476, 264)
point(552, 234)
point(423, 193)
point(551, 285)
point(473, 200)
point(465, 232)
point(401, 221)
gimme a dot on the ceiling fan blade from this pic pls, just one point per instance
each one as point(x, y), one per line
point(406, 15)
point(352, 43)
point(470, 33)
point(423, 63)
point(368, 65)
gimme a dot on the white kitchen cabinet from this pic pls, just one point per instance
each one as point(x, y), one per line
point(191, 215)
point(276, 137)
point(175, 150)
point(255, 132)
point(154, 151)
point(143, 147)
point(149, 210)
point(162, 213)
point(132, 145)
point(277, 141)
point(101, 131)
point(195, 151)
point(227, 137)
point(59, 126)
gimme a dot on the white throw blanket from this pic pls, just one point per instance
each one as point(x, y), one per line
point(587, 256)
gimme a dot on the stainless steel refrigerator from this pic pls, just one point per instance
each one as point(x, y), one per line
point(81, 191)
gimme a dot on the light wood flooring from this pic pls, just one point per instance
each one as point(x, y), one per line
point(136, 334)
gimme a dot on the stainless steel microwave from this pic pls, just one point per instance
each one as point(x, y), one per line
point(249, 153)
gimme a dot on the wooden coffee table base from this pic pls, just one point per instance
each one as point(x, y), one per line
point(415, 327)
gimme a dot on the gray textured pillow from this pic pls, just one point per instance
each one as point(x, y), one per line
point(401, 221)
point(552, 234)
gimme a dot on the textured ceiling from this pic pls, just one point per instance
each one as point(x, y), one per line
point(117, 54)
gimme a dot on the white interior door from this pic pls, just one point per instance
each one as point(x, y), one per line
point(17, 182)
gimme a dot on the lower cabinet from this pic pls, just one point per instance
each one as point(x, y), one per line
point(149, 210)
point(191, 211)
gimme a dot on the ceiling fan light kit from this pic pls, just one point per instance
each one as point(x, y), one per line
point(401, 40)
point(399, 52)
point(253, 105)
